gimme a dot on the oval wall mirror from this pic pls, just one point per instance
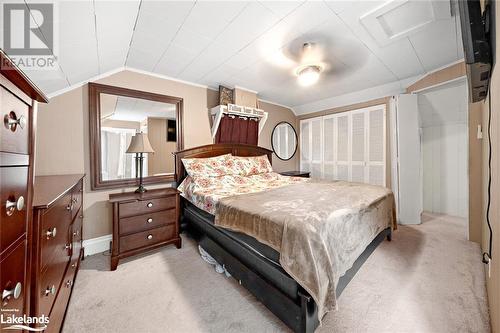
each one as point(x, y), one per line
point(284, 140)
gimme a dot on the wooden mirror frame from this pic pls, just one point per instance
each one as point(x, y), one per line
point(95, 91)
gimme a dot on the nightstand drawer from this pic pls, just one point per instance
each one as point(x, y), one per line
point(144, 222)
point(141, 207)
point(147, 238)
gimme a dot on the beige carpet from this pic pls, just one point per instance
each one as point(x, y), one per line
point(428, 279)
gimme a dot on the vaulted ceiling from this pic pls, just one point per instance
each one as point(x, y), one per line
point(253, 44)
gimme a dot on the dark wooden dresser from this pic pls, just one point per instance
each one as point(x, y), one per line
point(144, 221)
point(18, 105)
point(57, 244)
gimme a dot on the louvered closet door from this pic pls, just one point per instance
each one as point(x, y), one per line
point(343, 147)
point(376, 147)
point(329, 139)
point(305, 145)
point(316, 147)
point(358, 147)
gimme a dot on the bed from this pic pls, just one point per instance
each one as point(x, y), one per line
point(260, 266)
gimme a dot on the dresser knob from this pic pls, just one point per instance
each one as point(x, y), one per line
point(50, 290)
point(73, 265)
point(68, 246)
point(11, 121)
point(51, 233)
point(150, 236)
point(76, 233)
point(15, 292)
point(70, 206)
point(150, 220)
point(69, 283)
point(150, 204)
point(12, 205)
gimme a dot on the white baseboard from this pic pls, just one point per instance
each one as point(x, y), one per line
point(97, 245)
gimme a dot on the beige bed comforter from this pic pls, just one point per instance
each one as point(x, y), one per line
point(319, 228)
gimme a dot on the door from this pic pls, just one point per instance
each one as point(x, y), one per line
point(409, 164)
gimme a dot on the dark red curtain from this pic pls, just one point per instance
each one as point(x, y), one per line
point(237, 130)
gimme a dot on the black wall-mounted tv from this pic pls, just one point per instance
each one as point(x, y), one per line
point(477, 50)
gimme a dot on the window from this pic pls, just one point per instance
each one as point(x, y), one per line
point(347, 146)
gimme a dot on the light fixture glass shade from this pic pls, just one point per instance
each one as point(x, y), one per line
point(140, 144)
point(309, 75)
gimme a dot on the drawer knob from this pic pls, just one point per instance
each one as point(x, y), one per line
point(150, 204)
point(12, 122)
point(68, 246)
point(70, 206)
point(150, 236)
point(69, 283)
point(76, 233)
point(73, 265)
point(15, 292)
point(150, 220)
point(51, 233)
point(50, 290)
point(12, 205)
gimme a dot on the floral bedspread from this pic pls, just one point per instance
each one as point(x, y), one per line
point(205, 192)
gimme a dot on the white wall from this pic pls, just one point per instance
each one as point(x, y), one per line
point(445, 169)
point(443, 114)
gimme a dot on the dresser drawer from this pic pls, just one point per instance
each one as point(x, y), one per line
point(76, 236)
point(147, 221)
point(14, 138)
point(61, 303)
point(147, 238)
point(50, 284)
point(55, 233)
point(76, 199)
point(141, 207)
point(12, 275)
point(13, 200)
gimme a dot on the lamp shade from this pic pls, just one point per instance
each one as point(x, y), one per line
point(140, 144)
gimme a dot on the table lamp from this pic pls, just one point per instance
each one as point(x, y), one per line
point(139, 145)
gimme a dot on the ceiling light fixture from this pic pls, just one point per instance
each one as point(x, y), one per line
point(308, 75)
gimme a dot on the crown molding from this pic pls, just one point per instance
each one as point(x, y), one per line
point(274, 103)
point(81, 83)
point(165, 77)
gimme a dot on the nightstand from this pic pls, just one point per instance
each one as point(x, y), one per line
point(305, 174)
point(143, 222)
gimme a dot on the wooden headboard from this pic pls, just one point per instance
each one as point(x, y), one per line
point(216, 150)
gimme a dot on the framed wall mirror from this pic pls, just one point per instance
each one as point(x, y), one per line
point(284, 140)
point(116, 115)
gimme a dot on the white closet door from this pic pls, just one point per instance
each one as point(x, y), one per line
point(317, 147)
point(376, 147)
point(343, 147)
point(329, 133)
point(358, 149)
point(305, 145)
